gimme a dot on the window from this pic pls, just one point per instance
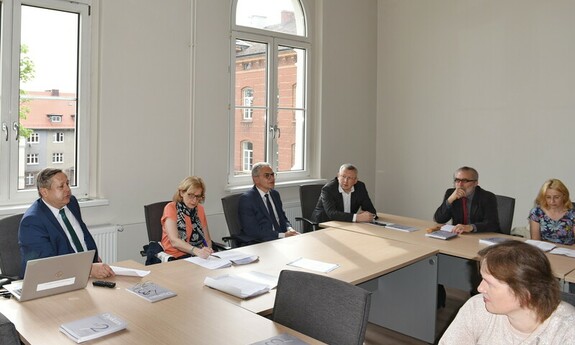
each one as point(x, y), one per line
point(57, 158)
point(32, 159)
point(55, 118)
point(34, 138)
point(248, 98)
point(45, 54)
point(59, 137)
point(247, 156)
point(270, 55)
point(30, 179)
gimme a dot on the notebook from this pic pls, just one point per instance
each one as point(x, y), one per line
point(53, 275)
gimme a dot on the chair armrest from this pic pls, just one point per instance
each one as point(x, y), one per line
point(218, 247)
point(314, 225)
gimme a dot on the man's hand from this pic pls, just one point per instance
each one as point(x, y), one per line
point(364, 216)
point(291, 232)
point(100, 270)
point(461, 228)
point(458, 193)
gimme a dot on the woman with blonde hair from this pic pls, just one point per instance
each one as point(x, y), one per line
point(553, 217)
point(184, 224)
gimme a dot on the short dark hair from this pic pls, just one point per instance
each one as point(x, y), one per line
point(528, 273)
point(44, 178)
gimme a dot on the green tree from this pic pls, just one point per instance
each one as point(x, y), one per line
point(26, 74)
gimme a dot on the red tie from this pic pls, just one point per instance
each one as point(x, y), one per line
point(465, 215)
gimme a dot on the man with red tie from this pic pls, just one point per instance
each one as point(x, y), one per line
point(471, 208)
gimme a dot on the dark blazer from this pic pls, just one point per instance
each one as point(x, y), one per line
point(330, 203)
point(40, 235)
point(483, 212)
point(254, 218)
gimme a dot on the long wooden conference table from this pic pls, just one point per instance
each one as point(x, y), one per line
point(401, 276)
point(456, 256)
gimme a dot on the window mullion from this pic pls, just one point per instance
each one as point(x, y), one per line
point(273, 97)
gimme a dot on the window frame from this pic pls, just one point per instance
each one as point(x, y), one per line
point(10, 87)
point(274, 40)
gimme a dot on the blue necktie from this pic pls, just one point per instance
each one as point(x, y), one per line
point(75, 238)
point(271, 211)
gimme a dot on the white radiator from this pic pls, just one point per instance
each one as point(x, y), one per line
point(292, 210)
point(106, 237)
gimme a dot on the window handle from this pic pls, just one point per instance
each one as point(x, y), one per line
point(16, 128)
point(5, 130)
point(275, 129)
point(278, 130)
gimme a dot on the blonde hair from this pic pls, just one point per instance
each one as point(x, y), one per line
point(557, 185)
point(188, 183)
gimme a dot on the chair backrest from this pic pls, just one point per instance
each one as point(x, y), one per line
point(230, 204)
point(308, 196)
point(324, 308)
point(505, 209)
point(8, 333)
point(10, 259)
point(153, 214)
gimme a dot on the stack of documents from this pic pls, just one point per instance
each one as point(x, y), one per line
point(544, 246)
point(93, 327)
point(442, 234)
point(313, 265)
point(245, 285)
point(401, 227)
point(563, 251)
point(223, 259)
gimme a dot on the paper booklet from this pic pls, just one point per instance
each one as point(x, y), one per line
point(313, 265)
point(243, 285)
point(442, 234)
point(151, 292)
point(544, 246)
point(93, 327)
point(493, 240)
point(283, 338)
point(563, 251)
point(223, 259)
point(400, 227)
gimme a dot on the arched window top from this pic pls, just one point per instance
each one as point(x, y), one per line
point(285, 16)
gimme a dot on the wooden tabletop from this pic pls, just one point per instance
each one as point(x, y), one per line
point(464, 246)
point(189, 318)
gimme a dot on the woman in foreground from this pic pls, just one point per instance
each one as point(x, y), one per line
point(519, 302)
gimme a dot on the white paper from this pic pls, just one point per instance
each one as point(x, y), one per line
point(211, 262)
point(563, 251)
point(447, 227)
point(123, 271)
point(544, 246)
point(237, 257)
point(314, 265)
point(260, 278)
point(236, 286)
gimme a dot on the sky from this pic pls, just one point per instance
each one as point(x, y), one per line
point(51, 37)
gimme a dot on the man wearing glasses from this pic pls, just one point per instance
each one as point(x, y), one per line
point(260, 210)
point(471, 208)
point(344, 199)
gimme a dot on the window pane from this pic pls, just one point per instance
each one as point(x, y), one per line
point(291, 108)
point(250, 116)
point(274, 15)
point(48, 91)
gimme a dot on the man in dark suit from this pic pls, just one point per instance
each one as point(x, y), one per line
point(53, 225)
point(342, 198)
point(257, 220)
point(471, 208)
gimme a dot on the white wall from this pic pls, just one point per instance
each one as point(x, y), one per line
point(163, 94)
point(489, 84)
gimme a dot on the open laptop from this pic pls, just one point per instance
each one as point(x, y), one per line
point(53, 275)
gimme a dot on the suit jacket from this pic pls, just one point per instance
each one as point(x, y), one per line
point(483, 211)
point(40, 235)
point(254, 218)
point(330, 204)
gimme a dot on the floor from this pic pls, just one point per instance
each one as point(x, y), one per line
point(376, 335)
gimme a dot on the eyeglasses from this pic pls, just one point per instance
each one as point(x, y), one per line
point(345, 178)
point(462, 180)
point(195, 196)
point(269, 176)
